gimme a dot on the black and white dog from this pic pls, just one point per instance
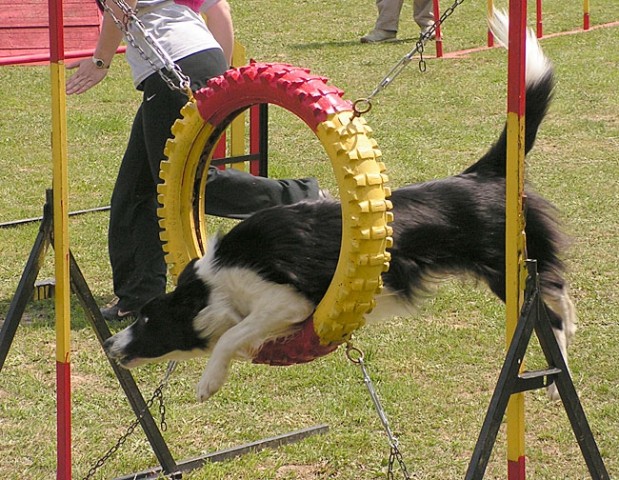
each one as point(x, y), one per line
point(266, 276)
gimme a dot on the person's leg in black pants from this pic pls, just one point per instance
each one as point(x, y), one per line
point(136, 256)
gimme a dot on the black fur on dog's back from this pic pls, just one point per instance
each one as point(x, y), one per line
point(457, 225)
point(450, 226)
point(296, 244)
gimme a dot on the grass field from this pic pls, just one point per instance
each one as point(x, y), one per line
point(434, 372)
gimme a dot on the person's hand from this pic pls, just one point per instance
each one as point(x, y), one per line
point(86, 77)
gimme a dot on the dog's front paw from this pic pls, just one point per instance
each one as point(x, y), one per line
point(209, 385)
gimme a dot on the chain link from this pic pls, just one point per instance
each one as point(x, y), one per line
point(366, 102)
point(355, 355)
point(157, 395)
point(130, 18)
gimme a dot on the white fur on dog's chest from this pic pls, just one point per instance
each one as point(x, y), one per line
point(242, 295)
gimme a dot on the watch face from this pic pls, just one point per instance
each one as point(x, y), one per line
point(99, 63)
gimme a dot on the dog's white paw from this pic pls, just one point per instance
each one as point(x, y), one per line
point(208, 385)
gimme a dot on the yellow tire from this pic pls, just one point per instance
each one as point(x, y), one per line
point(355, 158)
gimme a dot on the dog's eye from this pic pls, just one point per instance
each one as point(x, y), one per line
point(145, 319)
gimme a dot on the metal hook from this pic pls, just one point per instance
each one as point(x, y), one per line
point(361, 106)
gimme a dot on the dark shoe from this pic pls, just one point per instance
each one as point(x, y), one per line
point(112, 313)
point(378, 36)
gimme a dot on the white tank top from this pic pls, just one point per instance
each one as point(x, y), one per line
point(178, 30)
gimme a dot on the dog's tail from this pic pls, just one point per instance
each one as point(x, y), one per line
point(539, 81)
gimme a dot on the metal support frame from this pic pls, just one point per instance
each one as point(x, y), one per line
point(259, 144)
point(535, 318)
point(23, 295)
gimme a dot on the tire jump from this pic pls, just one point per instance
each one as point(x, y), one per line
point(357, 165)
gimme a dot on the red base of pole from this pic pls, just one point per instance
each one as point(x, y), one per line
point(586, 22)
point(490, 39)
point(63, 420)
point(516, 470)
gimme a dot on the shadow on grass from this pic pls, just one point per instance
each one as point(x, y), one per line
point(41, 314)
point(349, 43)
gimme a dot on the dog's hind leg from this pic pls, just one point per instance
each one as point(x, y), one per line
point(560, 302)
point(560, 309)
point(563, 319)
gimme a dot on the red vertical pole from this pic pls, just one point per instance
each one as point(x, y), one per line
point(514, 221)
point(490, 9)
point(538, 18)
point(437, 32)
point(254, 138)
point(221, 149)
point(61, 241)
point(585, 15)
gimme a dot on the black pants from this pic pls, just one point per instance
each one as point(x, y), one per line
point(136, 256)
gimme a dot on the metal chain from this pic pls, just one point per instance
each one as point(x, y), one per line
point(130, 17)
point(157, 395)
point(355, 355)
point(363, 105)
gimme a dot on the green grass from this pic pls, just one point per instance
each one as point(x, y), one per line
point(435, 371)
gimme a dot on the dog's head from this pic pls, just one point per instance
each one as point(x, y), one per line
point(164, 329)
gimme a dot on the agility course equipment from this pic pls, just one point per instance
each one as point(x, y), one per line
point(552, 372)
point(355, 158)
point(25, 31)
point(586, 25)
point(525, 310)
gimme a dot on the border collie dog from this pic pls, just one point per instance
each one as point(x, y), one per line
point(263, 278)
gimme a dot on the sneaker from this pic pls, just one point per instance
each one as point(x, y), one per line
point(426, 30)
point(377, 36)
point(112, 313)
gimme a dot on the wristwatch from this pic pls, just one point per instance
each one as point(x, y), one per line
point(99, 63)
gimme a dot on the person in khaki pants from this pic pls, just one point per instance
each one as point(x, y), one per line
point(386, 28)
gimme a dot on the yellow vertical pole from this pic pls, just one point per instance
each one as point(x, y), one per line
point(236, 141)
point(237, 127)
point(61, 241)
point(515, 244)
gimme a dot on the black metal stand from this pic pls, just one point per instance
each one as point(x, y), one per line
point(79, 286)
point(534, 318)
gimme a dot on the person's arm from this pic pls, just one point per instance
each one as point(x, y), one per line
point(219, 22)
point(88, 73)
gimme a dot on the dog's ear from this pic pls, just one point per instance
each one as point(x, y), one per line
point(192, 294)
point(188, 274)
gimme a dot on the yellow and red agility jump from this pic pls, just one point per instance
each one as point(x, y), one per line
point(357, 165)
